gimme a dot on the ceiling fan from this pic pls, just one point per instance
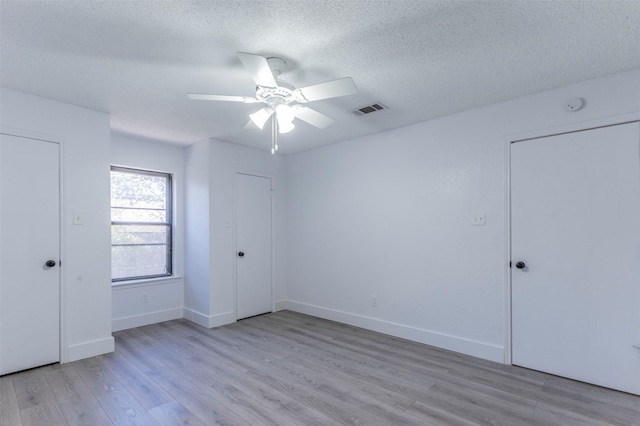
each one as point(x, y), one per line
point(283, 102)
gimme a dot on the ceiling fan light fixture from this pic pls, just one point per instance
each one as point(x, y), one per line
point(277, 95)
point(285, 126)
point(261, 116)
point(285, 115)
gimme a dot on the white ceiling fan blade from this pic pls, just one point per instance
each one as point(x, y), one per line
point(330, 89)
point(312, 116)
point(203, 97)
point(259, 69)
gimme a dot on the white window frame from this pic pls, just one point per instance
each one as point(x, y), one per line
point(168, 223)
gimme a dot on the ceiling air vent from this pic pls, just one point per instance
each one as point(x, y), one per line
point(368, 109)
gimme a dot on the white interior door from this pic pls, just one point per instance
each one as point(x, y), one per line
point(253, 242)
point(29, 237)
point(575, 205)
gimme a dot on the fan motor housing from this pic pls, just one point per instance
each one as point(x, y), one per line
point(277, 65)
point(284, 93)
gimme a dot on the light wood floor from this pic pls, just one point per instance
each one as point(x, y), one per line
point(292, 369)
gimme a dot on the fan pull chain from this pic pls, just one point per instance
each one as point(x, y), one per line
point(274, 134)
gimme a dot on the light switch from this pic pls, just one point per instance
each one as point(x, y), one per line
point(78, 219)
point(478, 219)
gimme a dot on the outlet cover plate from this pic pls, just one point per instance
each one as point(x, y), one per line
point(479, 219)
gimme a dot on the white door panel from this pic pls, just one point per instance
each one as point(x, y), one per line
point(29, 237)
point(575, 205)
point(253, 240)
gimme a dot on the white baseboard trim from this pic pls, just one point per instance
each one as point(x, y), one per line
point(209, 321)
point(441, 340)
point(133, 321)
point(280, 305)
point(89, 349)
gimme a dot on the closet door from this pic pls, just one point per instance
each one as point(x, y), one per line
point(575, 229)
point(29, 253)
point(253, 242)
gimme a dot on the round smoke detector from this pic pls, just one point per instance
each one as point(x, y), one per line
point(573, 105)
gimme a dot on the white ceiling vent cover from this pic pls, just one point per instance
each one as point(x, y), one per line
point(368, 109)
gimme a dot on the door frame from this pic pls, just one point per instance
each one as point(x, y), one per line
point(235, 236)
point(62, 271)
point(521, 137)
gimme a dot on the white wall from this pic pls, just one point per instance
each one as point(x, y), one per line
point(86, 274)
point(389, 215)
point(165, 296)
point(210, 293)
point(197, 230)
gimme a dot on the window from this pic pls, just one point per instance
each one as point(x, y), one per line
point(140, 224)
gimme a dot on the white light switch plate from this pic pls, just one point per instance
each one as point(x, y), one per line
point(478, 219)
point(78, 218)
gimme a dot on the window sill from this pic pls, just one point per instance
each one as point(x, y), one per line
point(120, 285)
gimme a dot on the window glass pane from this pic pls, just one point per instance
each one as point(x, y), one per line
point(140, 224)
point(138, 190)
point(138, 215)
point(139, 234)
point(138, 261)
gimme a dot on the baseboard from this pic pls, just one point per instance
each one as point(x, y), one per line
point(145, 319)
point(445, 341)
point(89, 349)
point(209, 321)
point(281, 305)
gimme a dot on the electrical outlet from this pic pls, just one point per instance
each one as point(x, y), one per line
point(374, 301)
point(145, 297)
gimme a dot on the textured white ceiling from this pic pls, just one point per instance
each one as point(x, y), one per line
point(137, 59)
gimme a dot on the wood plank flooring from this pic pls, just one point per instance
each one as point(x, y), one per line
point(291, 369)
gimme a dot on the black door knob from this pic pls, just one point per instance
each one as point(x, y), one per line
point(241, 253)
point(50, 263)
point(520, 265)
